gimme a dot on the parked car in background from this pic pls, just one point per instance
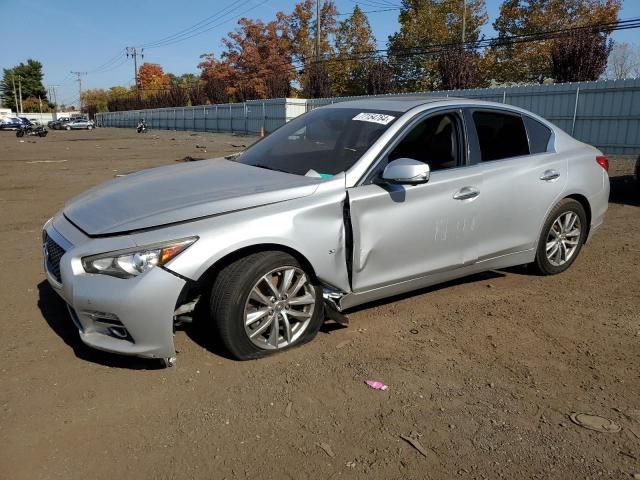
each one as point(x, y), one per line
point(34, 122)
point(344, 205)
point(78, 124)
point(13, 123)
point(56, 124)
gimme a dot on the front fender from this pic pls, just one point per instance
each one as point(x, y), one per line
point(313, 226)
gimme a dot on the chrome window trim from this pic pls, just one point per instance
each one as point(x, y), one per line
point(407, 126)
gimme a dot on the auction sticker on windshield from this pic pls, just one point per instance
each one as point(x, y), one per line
point(380, 118)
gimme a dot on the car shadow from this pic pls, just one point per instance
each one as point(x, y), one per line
point(54, 311)
point(202, 330)
point(478, 277)
point(625, 190)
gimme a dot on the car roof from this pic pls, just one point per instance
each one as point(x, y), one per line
point(404, 103)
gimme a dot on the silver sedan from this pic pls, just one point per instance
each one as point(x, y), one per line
point(78, 124)
point(344, 205)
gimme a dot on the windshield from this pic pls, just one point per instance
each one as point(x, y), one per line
point(320, 143)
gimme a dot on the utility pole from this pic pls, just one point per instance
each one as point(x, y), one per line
point(318, 30)
point(79, 80)
point(464, 20)
point(15, 96)
point(20, 93)
point(53, 97)
point(134, 53)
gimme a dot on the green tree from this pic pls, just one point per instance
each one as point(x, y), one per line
point(30, 75)
point(426, 25)
point(532, 61)
point(354, 49)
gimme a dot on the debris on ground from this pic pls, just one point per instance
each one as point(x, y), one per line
point(412, 439)
point(327, 449)
point(594, 422)
point(287, 410)
point(376, 385)
point(343, 344)
point(200, 146)
point(47, 161)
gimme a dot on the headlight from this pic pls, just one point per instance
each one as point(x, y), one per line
point(134, 261)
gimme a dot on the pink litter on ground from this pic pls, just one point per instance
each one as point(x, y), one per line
point(377, 385)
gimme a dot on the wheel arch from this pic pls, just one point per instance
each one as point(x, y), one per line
point(587, 208)
point(210, 273)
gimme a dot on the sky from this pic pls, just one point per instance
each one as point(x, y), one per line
point(89, 36)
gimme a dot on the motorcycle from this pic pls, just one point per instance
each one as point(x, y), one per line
point(141, 128)
point(38, 131)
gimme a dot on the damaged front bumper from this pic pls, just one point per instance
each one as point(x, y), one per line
point(132, 316)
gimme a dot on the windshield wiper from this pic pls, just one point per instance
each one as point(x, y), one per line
point(267, 167)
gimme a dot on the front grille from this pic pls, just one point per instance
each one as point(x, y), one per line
point(53, 253)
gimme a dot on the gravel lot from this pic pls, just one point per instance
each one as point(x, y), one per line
point(485, 370)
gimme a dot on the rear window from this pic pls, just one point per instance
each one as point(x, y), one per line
point(500, 135)
point(539, 135)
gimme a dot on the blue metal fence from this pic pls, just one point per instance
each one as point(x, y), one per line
point(604, 113)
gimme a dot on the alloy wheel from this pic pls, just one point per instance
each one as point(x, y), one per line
point(279, 308)
point(563, 238)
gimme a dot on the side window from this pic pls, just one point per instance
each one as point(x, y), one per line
point(433, 141)
point(500, 135)
point(539, 135)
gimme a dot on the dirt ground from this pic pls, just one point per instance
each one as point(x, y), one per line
point(485, 370)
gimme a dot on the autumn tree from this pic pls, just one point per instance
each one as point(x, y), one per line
point(532, 61)
point(151, 78)
point(458, 68)
point(34, 105)
point(425, 27)
point(303, 28)
point(580, 56)
point(30, 76)
point(256, 62)
point(355, 46)
point(94, 101)
point(379, 77)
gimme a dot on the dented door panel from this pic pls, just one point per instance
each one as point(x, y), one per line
point(404, 232)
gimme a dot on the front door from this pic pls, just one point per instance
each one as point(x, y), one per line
point(401, 232)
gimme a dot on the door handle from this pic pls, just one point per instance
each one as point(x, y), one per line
point(550, 175)
point(466, 193)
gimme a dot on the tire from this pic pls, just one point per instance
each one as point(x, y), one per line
point(233, 298)
point(554, 235)
point(89, 127)
point(19, 133)
point(67, 128)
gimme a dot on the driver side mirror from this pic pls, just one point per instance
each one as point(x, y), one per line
point(406, 171)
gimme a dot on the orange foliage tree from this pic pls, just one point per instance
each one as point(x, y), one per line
point(152, 79)
point(255, 64)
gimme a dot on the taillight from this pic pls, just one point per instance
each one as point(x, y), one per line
point(603, 162)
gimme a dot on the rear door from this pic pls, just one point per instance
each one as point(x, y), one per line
point(401, 232)
point(522, 178)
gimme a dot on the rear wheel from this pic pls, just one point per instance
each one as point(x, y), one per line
point(562, 237)
point(264, 303)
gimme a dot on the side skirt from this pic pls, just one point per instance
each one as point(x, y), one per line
point(352, 299)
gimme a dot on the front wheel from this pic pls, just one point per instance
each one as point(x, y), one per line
point(19, 133)
point(562, 237)
point(264, 303)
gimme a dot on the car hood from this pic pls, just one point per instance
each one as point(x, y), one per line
point(166, 195)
